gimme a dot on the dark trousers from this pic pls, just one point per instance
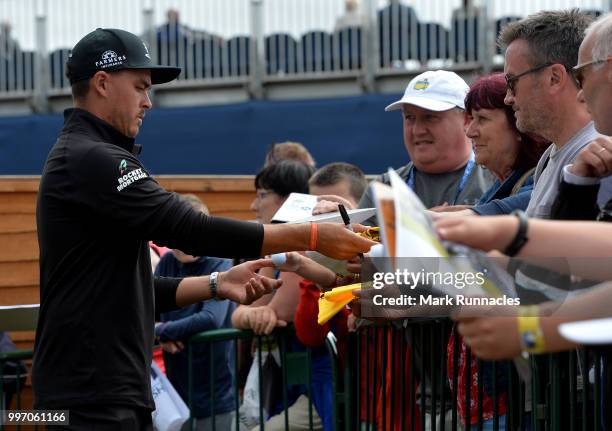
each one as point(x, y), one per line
point(108, 418)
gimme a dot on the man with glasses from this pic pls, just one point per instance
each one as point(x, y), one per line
point(540, 53)
point(579, 190)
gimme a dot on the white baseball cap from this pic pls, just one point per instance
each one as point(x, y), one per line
point(436, 90)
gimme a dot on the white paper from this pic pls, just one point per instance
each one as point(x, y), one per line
point(415, 235)
point(297, 206)
point(597, 331)
point(356, 216)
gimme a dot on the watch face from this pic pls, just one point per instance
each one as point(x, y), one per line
point(529, 340)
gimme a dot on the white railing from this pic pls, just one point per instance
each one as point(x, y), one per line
point(257, 41)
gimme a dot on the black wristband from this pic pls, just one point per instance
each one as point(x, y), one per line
point(520, 239)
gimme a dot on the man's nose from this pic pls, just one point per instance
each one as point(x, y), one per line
point(418, 127)
point(509, 98)
point(147, 104)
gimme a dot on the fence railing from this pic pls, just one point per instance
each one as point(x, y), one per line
point(415, 376)
point(255, 42)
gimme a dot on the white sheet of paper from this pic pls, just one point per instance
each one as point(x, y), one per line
point(356, 216)
point(597, 331)
point(297, 206)
point(413, 229)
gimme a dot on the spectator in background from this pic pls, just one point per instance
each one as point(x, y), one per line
point(8, 45)
point(347, 181)
point(273, 185)
point(177, 326)
point(511, 156)
point(11, 372)
point(577, 199)
point(288, 151)
point(174, 41)
point(351, 17)
point(156, 253)
point(540, 51)
point(442, 167)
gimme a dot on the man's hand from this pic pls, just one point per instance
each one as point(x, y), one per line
point(336, 241)
point(262, 320)
point(594, 160)
point(243, 285)
point(484, 233)
point(491, 332)
point(329, 204)
point(172, 347)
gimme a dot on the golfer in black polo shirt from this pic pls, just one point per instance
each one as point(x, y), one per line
point(97, 208)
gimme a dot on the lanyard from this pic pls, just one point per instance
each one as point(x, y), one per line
point(469, 167)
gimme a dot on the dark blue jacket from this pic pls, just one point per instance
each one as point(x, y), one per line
point(498, 200)
point(182, 324)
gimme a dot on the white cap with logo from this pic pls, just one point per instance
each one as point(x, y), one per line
point(436, 90)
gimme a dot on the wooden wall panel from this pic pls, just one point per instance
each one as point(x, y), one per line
point(225, 196)
point(19, 277)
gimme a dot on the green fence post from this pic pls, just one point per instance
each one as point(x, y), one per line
point(455, 376)
point(383, 374)
point(211, 355)
point(597, 395)
point(190, 385)
point(480, 393)
point(443, 380)
point(259, 380)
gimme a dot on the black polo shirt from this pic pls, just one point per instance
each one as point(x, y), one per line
point(97, 208)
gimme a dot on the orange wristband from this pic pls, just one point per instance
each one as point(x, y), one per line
point(313, 236)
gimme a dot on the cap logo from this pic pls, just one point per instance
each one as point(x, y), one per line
point(421, 85)
point(109, 59)
point(146, 51)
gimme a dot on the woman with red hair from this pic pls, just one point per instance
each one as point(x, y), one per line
point(510, 155)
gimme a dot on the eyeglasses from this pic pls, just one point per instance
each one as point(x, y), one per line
point(261, 194)
point(578, 70)
point(512, 80)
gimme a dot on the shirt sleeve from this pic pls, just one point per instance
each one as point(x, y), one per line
point(518, 201)
point(574, 202)
point(570, 178)
point(120, 191)
point(211, 316)
point(165, 294)
point(307, 329)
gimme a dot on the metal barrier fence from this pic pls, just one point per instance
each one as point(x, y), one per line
point(258, 41)
point(396, 377)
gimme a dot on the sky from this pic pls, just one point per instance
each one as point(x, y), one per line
point(68, 20)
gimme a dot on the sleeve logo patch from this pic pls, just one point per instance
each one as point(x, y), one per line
point(130, 177)
point(122, 167)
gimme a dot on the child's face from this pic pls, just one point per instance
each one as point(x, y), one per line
point(341, 188)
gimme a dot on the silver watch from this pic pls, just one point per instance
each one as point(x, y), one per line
point(212, 280)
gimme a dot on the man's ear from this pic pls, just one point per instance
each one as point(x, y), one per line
point(559, 76)
point(100, 83)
